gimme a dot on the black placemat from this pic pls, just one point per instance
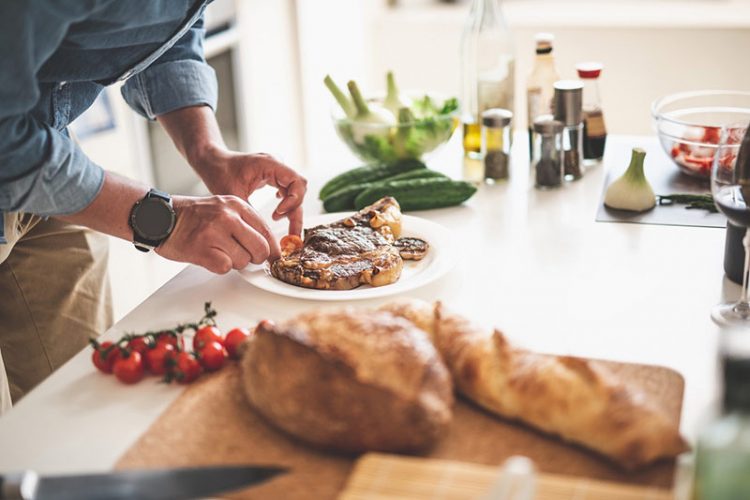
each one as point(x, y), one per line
point(664, 178)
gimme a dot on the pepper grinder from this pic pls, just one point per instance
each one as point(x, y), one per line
point(568, 108)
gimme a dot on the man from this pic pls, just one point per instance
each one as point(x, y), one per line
point(55, 58)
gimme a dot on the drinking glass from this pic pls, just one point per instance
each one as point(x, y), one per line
point(730, 185)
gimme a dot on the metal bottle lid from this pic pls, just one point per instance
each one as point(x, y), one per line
point(547, 125)
point(568, 102)
point(497, 117)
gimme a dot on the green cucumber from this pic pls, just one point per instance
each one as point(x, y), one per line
point(422, 173)
point(343, 199)
point(418, 194)
point(367, 173)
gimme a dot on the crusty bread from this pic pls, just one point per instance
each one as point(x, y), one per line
point(575, 399)
point(349, 380)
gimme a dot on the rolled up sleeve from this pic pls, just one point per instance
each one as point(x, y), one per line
point(45, 173)
point(42, 171)
point(178, 79)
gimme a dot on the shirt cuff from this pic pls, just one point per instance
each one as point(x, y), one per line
point(171, 85)
point(66, 183)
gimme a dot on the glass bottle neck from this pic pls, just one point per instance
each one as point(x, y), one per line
point(485, 13)
point(591, 99)
point(544, 62)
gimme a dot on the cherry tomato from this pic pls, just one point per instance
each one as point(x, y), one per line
point(170, 338)
point(206, 335)
point(129, 370)
point(233, 340)
point(290, 243)
point(187, 368)
point(711, 135)
point(702, 162)
point(159, 359)
point(139, 345)
point(104, 364)
point(212, 356)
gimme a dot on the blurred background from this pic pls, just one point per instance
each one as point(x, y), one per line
point(271, 56)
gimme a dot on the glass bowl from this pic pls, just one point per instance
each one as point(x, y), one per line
point(689, 125)
point(386, 143)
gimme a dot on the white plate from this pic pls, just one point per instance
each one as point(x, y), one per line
point(440, 258)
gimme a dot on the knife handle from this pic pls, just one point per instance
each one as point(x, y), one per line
point(19, 485)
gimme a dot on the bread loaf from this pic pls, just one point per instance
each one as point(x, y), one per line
point(575, 399)
point(349, 380)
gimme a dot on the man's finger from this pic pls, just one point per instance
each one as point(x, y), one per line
point(252, 241)
point(216, 261)
point(240, 255)
point(254, 220)
point(295, 221)
point(295, 193)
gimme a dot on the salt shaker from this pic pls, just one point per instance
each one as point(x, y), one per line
point(568, 108)
point(546, 152)
point(496, 142)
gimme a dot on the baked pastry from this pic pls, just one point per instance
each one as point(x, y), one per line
point(575, 399)
point(349, 380)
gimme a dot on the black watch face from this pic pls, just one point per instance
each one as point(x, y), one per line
point(153, 219)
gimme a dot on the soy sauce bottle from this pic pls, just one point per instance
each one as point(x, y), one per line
point(594, 130)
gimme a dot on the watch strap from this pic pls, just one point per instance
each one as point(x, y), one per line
point(155, 193)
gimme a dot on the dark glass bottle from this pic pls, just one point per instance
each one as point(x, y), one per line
point(594, 129)
point(722, 465)
point(734, 253)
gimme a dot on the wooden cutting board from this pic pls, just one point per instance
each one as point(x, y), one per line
point(378, 476)
point(211, 423)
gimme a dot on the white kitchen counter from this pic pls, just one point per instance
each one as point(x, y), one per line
point(534, 263)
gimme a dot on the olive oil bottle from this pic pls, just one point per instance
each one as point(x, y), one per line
point(487, 70)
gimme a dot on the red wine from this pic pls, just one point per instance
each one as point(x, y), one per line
point(731, 201)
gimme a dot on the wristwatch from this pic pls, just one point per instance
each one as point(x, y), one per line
point(152, 220)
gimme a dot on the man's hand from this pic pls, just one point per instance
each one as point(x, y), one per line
point(196, 135)
point(219, 233)
point(239, 174)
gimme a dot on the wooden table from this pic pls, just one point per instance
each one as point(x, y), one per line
point(534, 263)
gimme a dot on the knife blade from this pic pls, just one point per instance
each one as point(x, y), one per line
point(151, 484)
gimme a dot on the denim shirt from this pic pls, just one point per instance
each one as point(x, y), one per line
point(56, 57)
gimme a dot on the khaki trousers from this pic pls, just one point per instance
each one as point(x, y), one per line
point(54, 296)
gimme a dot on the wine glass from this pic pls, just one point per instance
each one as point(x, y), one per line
point(730, 186)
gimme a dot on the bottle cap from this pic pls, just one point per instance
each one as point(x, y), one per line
point(568, 102)
point(547, 125)
point(589, 69)
point(497, 117)
point(544, 42)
